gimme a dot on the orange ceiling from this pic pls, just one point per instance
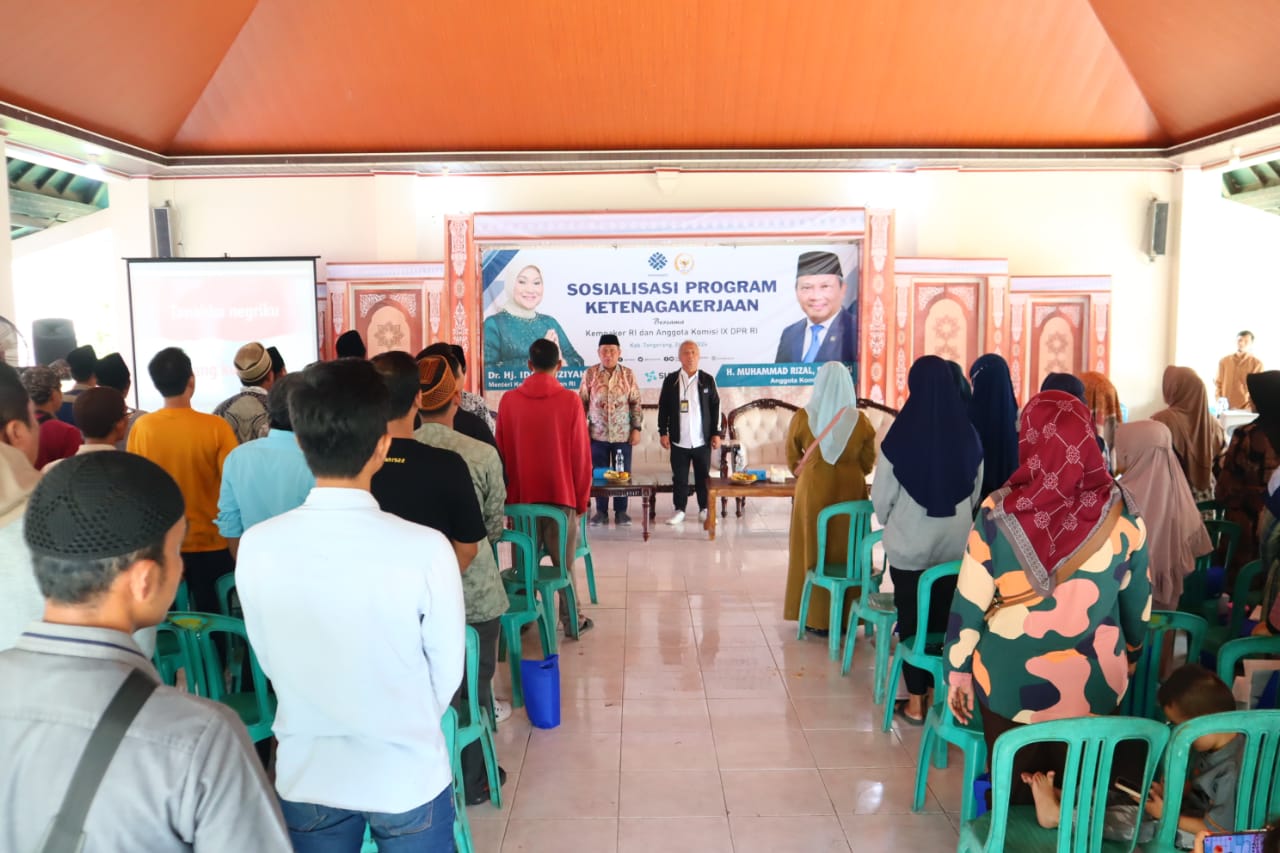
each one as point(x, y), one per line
point(329, 76)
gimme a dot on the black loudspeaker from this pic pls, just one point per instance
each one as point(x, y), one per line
point(1157, 229)
point(162, 231)
point(52, 339)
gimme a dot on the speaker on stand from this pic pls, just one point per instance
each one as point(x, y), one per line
point(52, 339)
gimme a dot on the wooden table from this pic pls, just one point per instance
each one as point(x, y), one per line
point(725, 488)
point(636, 487)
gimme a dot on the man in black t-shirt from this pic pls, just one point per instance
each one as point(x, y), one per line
point(433, 486)
point(428, 485)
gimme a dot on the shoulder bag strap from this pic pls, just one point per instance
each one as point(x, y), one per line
point(66, 831)
point(809, 451)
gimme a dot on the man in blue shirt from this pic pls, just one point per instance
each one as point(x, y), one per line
point(264, 478)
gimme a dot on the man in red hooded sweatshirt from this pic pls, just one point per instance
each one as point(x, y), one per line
point(542, 437)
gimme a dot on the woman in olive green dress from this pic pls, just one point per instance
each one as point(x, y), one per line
point(836, 471)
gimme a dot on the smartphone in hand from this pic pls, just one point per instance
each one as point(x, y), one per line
point(1249, 841)
point(1128, 786)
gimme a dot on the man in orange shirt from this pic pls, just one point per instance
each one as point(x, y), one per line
point(191, 447)
point(1234, 369)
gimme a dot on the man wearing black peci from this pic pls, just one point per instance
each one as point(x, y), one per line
point(829, 331)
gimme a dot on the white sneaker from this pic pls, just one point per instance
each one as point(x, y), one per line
point(702, 515)
point(501, 710)
point(678, 518)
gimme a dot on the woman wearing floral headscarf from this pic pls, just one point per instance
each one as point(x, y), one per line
point(1053, 598)
point(834, 445)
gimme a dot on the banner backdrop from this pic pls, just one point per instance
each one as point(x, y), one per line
point(754, 322)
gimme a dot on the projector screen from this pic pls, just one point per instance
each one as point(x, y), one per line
point(212, 307)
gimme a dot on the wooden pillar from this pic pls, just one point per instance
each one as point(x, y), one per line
point(462, 296)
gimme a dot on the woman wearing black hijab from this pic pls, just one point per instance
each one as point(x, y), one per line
point(925, 493)
point(994, 414)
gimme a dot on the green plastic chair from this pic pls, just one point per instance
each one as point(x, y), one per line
point(873, 609)
point(1217, 510)
point(912, 650)
point(584, 551)
point(1245, 648)
point(522, 609)
point(1242, 599)
point(257, 708)
point(1195, 589)
point(1140, 699)
point(175, 651)
point(170, 654)
point(461, 825)
point(182, 600)
point(839, 578)
point(941, 729)
point(1257, 794)
point(479, 725)
point(547, 579)
point(1091, 743)
point(226, 587)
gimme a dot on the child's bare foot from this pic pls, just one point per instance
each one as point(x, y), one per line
point(1048, 800)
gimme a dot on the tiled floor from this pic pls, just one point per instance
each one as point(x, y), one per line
point(693, 720)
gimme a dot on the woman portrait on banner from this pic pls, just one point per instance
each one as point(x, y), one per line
point(831, 448)
point(508, 333)
point(1054, 595)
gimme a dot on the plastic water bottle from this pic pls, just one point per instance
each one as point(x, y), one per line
point(618, 464)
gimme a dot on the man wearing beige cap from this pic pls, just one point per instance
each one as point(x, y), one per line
point(247, 411)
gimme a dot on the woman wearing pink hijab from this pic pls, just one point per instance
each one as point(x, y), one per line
point(1150, 471)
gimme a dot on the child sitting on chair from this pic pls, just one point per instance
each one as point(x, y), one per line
point(1209, 801)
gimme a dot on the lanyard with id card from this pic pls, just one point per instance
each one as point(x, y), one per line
point(684, 393)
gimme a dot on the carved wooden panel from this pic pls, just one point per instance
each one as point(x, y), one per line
point(947, 321)
point(392, 305)
point(942, 307)
point(1058, 342)
point(388, 316)
point(1057, 324)
point(876, 310)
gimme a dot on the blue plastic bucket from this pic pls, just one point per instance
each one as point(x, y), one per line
point(542, 691)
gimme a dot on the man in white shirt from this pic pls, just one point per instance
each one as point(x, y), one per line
point(357, 618)
point(689, 423)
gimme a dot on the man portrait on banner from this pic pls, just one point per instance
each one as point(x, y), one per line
point(829, 330)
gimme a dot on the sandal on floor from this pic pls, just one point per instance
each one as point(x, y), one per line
point(583, 626)
point(900, 711)
point(817, 632)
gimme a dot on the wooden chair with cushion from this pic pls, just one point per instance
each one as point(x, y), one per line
point(761, 428)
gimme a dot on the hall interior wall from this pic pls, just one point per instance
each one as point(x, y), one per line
point(1044, 222)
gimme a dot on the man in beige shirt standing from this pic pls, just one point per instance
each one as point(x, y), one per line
point(1232, 371)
